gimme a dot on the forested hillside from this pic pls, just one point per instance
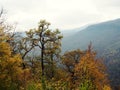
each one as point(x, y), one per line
point(105, 38)
point(22, 69)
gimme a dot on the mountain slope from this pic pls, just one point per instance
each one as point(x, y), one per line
point(104, 36)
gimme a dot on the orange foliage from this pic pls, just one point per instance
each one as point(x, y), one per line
point(92, 69)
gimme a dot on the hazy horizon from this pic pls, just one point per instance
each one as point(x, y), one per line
point(62, 14)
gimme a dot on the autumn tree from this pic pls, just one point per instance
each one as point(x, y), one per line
point(9, 65)
point(90, 72)
point(69, 60)
point(47, 41)
point(44, 41)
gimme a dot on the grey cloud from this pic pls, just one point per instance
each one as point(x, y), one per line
point(107, 3)
point(61, 13)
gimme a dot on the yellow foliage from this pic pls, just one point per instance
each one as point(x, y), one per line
point(9, 66)
point(90, 68)
point(4, 49)
point(107, 87)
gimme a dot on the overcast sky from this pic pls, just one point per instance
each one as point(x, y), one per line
point(63, 14)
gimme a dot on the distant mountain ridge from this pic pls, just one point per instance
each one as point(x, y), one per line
point(104, 36)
